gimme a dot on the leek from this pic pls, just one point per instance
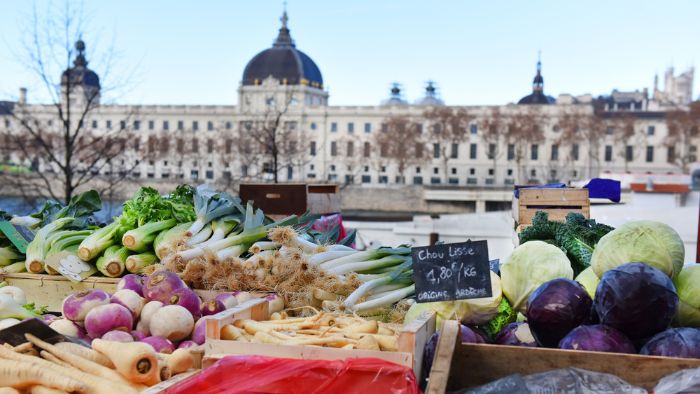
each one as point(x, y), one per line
point(98, 241)
point(233, 251)
point(389, 298)
point(140, 238)
point(9, 255)
point(365, 256)
point(246, 237)
point(37, 249)
point(210, 205)
point(137, 262)
point(201, 236)
point(263, 245)
point(113, 262)
point(322, 257)
point(368, 265)
point(223, 226)
point(401, 275)
point(14, 268)
point(166, 241)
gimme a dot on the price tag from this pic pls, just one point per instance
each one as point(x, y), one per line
point(452, 271)
point(70, 266)
point(20, 236)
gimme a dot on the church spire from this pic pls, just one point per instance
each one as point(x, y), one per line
point(284, 39)
point(538, 82)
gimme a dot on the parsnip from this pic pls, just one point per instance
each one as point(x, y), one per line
point(85, 352)
point(44, 389)
point(136, 361)
point(368, 342)
point(179, 361)
point(50, 357)
point(23, 374)
point(229, 332)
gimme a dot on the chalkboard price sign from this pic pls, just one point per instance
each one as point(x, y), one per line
point(452, 271)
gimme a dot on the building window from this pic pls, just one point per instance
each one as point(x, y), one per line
point(195, 145)
point(555, 152)
point(417, 180)
point(313, 126)
point(334, 127)
point(122, 125)
point(368, 127)
point(454, 151)
point(244, 170)
point(210, 125)
point(472, 151)
point(509, 172)
point(491, 171)
point(165, 125)
point(366, 169)
point(312, 148)
point(610, 130)
point(351, 127)
point(434, 180)
point(608, 153)
point(228, 125)
point(350, 151)
point(94, 124)
point(473, 129)
point(366, 178)
point(180, 145)
point(533, 152)
point(180, 125)
point(574, 152)
point(510, 155)
point(334, 148)
point(384, 179)
point(194, 174)
point(671, 154)
point(332, 167)
point(650, 154)
point(472, 171)
point(383, 150)
point(109, 124)
point(195, 125)
point(492, 151)
point(533, 173)
point(210, 146)
point(436, 151)
point(210, 174)
point(366, 149)
point(417, 170)
point(436, 170)
point(651, 130)
point(629, 153)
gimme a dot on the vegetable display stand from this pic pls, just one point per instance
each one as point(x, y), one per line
point(464, 365)
point(411, 341)
point(51, 290)
point(557, 202)
point(292, 198)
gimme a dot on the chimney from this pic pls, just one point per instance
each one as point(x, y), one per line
point(23, 95)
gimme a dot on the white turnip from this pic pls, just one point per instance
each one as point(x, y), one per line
point(130, 300)
point(172, 322)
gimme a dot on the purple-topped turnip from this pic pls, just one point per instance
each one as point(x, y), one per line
point(77, 305)
point(106, 318)
point(228, 299)
point(187, 299)
point(132, 282)
point(146, 314)
point(138, 335)
point(118, 336)
point(186, 344)
point(199, 332)
point(129, 299)
point(159, 344)
point(161, 285)
point(212, 307)
point(172, 322)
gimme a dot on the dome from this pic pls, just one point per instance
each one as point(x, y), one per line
point(79, 74)
point(283, 62)
point(537, 97)
point(431, 97)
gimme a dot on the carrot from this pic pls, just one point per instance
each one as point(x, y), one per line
point(43, 390)
point(136, 361)
point(82, 363)
point(23, 374)
point(50, 357)
point(85, 352)
point(94, 384)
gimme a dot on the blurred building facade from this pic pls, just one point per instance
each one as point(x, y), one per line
point(283, 86)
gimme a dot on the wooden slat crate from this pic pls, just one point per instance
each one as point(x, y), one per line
point(557, 202)
point(50, 290)
point(464, 365)
point(292, 198)
point(411, 342)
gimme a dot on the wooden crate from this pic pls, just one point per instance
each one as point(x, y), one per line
point(411, 342)
point(162, 387)
point(292, 198)
point(557, 202)
point(50, 290)
point(465, 365)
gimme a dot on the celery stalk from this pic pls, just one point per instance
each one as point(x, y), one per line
point(37, 249)
point(9, 255)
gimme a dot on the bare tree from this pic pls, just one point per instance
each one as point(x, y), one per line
point(683, 132)
point(583, 134)
point(401, 142)
point(524, 132)
point(493, 134)
point(449, 127)
point(627, 137)
point(65, 153)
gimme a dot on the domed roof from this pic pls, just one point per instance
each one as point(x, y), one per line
point(283, 62)
point(79, 74)
point(537, 96)
point(431, 97)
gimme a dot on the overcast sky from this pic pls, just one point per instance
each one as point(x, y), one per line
point(478, 52)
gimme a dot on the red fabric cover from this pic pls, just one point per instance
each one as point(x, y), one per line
point(325, 223)
point(258, 374)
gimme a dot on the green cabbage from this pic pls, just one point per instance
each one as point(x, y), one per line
point(471, 312)
point(530, 265)
point(688, 288)
point(589, 280)
point(642, 241)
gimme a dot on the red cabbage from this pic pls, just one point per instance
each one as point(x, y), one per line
point(597, 338)
point(516, 334)
point(675, 342)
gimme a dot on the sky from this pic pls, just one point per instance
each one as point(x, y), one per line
point(478, 52)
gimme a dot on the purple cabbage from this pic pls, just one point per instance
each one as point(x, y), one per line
point(675, 342)
point(637, 299)
point(556, 308)
point(132, 282)
point(467, 336)
point(597, 338)
point(516, 334)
